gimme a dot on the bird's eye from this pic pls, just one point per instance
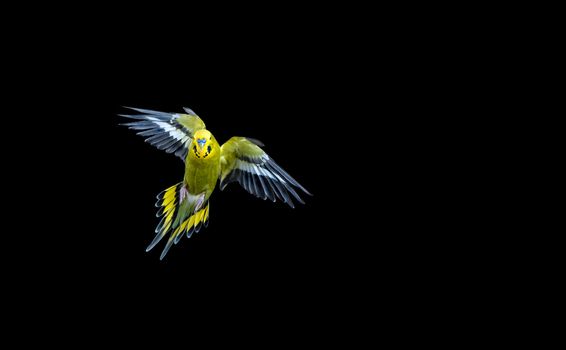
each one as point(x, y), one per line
point(209, 149)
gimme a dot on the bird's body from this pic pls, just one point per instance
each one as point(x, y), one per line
point(201, 173)
point(185, 206)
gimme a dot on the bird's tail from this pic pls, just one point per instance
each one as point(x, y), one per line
point(182, 213)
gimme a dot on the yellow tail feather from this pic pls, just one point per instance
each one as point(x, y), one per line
point(172, 211)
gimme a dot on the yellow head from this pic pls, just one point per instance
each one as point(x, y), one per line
point(202, 145)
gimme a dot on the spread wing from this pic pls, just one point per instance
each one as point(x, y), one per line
point(172, 132)
point(243, 161)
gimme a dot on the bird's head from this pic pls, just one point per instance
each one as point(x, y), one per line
point(202, 144)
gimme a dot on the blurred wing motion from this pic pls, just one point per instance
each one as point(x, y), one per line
point(171, 132)
point(242, 160)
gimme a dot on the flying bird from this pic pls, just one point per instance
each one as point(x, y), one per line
point(184, 207)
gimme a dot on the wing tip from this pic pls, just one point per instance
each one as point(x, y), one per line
point(307, 192)
point(255, 141)
point(189, 111)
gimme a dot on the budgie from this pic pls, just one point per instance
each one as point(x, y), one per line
point(184, 207)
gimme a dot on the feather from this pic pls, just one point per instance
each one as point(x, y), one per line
point(277, 169)
point(170, 132)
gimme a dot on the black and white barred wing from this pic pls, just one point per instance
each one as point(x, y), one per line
point(243, 161)
point(171, 132)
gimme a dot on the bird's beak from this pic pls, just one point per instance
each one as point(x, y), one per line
point(201, 143)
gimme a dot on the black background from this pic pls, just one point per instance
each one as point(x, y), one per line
point(348, 143)
point(349, 116)
point(104, 178)
point(336, 136)
point(366, 109)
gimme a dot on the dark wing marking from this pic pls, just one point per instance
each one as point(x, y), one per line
point(171, 132)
